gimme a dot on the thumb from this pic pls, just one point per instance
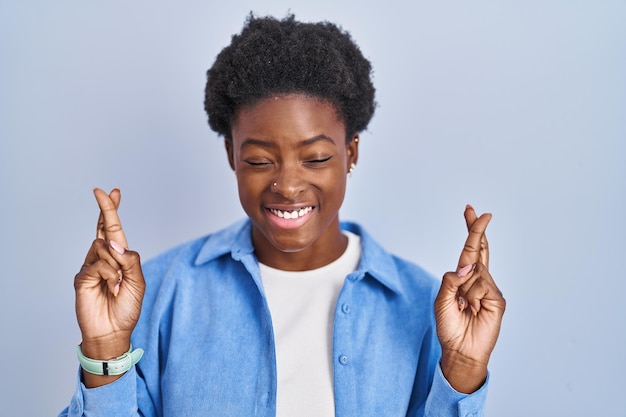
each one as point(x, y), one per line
point(130, 263)
point(452, 281)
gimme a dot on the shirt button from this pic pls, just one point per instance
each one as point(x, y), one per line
point(343, 359)
point(345, 308)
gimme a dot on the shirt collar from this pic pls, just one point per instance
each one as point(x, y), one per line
point(375, 260)
point(237, 240)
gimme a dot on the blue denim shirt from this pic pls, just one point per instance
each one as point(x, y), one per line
point(209, 348)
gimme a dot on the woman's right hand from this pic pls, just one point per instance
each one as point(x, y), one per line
point(109, 290)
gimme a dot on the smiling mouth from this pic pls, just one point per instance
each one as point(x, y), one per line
point(292, 214)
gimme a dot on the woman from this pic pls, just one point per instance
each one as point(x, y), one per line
point(289, 312)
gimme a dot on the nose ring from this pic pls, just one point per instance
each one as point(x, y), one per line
point(274, 184)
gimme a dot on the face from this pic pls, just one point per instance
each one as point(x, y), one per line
point(291, 158)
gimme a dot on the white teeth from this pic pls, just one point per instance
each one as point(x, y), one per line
point(292, 214)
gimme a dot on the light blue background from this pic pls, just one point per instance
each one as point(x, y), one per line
point(516, 107)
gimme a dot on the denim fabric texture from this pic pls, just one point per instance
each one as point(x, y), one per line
point(209, 348)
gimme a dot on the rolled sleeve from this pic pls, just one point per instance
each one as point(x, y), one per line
point(94, 402)
point(445, 401)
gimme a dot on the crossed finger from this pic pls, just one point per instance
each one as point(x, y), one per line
point(109, 224)
point(470, 218)
point(476, 248)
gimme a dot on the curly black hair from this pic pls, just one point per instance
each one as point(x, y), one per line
point(276, 57)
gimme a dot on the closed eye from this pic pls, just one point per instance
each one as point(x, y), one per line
point(257, 163)
point(318, 161)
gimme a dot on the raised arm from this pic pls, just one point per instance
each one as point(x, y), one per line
point(469, 310)
point(109, 290)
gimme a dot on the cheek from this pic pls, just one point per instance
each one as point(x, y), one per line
point(340, 193)
point(334, 186)
point(248, 192)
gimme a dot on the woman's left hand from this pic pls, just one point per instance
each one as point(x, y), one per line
point(469, 310)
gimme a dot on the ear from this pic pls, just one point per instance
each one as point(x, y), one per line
point(228, 144)
point(353, 150)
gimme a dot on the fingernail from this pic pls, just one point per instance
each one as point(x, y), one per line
point(116, 290)
point(461, 303)
point(474, 312)
point(462, 273)
point(117, 247)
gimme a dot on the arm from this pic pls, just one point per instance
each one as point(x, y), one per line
point(114, 399)
point(468, 311)
point(109, 292)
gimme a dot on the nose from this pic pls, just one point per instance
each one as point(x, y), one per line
point(289, 181)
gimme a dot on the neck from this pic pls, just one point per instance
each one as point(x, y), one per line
point(323, 251)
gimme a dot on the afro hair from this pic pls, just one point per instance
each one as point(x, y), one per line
point(278, 57)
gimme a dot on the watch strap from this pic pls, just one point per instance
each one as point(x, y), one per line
point(115, 366)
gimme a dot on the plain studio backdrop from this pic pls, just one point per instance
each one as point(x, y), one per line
point(516, 107)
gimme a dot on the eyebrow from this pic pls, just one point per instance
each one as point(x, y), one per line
point(268, 144)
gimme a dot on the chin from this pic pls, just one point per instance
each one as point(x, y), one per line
point(290, 245)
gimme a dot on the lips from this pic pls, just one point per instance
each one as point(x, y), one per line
point(290, 219)
point(291, 214)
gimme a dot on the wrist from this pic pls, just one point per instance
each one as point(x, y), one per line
point(463, 374)
point(102, 350)
point(105, 349)
point(117, 366)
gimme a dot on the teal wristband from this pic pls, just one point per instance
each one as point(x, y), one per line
point(115, 366)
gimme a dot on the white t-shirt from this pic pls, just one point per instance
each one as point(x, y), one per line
point(302, 305)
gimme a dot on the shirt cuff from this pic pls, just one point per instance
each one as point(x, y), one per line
point(119, 398)
point(443, 400)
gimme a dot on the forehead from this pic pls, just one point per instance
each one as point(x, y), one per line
point(294, 116)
